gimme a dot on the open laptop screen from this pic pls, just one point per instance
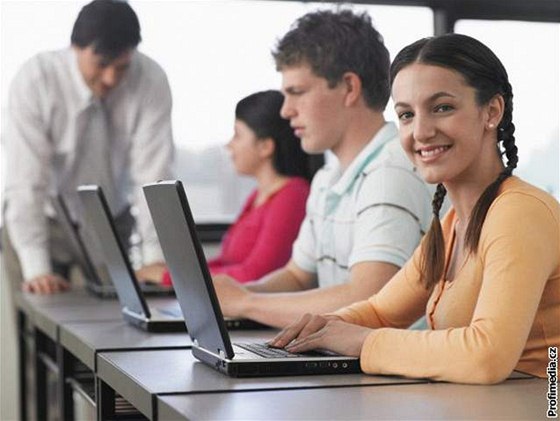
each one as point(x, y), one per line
point(191, 279)
point(70, 228)
point(99, 219)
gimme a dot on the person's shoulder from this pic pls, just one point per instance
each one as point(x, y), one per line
point(392, 171)
point(518, 194)
point(521, 202)
point(522, 212)
point(324, 175)
point(41, 73)
point(147, 61)
point(391, 155)
point(146, 78)
point(297, 183)
point(295, 187)
point(148, 68)
point(42, 65)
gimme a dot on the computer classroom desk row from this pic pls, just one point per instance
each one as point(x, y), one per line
point(80, 360)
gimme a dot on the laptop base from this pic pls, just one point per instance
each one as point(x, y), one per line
point(109, 292)
point(154, 326)
point(101, 291)
point(271, 368)
point(244, 324)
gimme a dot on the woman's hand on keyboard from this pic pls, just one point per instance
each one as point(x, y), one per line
point(322, 332)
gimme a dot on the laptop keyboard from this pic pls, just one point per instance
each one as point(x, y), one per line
point(267, 351)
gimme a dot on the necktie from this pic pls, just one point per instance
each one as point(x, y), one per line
point(95, 161)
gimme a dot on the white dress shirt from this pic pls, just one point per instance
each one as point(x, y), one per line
point(46, 130)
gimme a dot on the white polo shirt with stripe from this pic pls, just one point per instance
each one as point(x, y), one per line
point(378, 209)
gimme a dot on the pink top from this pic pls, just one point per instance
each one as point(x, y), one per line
point(261, 239)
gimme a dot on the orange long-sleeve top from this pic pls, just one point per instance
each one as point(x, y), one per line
point(501, 311)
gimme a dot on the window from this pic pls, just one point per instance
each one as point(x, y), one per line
point(531, 54)
point(214, 53)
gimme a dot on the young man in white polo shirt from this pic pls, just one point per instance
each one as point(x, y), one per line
point(366, 212)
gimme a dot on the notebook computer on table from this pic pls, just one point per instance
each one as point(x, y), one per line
point(193, 285)
point(89, 256)
point(167, 317)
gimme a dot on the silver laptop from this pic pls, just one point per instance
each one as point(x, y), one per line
point(89, 256)
point(167, 317)
point(193, 285)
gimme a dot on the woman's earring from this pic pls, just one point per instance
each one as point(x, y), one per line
point(491, 125)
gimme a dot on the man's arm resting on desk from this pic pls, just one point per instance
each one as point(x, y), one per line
point(279, 307)
point(48, 283)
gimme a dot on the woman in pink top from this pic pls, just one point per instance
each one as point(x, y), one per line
point(487, 276)
point(264, 147)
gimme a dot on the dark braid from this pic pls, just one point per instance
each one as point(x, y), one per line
point(433, 248)
point(437, 201)
point(505, 135)
point(507, 128)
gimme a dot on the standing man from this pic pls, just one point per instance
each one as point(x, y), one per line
point(366, 212)
point(97, 112)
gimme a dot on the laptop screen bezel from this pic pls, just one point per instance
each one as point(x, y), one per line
point(71, 229)
point(154, 193)
point(130, 296)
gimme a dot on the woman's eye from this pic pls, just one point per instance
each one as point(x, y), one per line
point(406, 115)
point(443, 108)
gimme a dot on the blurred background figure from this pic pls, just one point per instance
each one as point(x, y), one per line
point(96, 112)
point(265, 148)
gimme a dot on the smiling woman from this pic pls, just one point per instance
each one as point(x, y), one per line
point(489, 285)
point(464, 108)
point(443, 129)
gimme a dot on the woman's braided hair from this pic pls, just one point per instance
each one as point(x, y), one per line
point(484, 72)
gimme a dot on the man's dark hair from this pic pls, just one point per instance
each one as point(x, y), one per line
point(335, 42)
point(110, 26)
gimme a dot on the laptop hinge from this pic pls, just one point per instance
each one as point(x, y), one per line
point(220, 354)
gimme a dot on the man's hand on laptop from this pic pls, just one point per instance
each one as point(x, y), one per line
point(232, 296)
point(322, 332)
point(49, 283)
point(151, 273)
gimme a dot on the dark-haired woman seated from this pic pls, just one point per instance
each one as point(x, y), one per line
point(264, 147)
point(487, 276)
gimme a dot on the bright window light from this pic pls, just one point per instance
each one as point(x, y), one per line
point(531, 54)
point(214, 52)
